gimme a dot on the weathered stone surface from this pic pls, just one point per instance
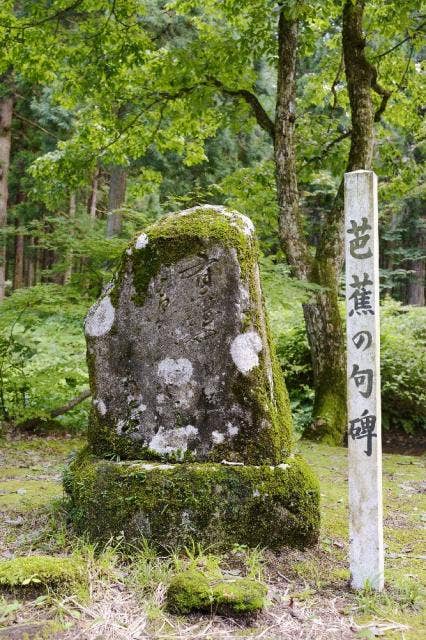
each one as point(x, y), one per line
point(180, 361)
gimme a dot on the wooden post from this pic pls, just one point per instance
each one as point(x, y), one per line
point(363, 380)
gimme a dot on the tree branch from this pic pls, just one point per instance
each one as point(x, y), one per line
point(262, 118)
point(398, 44)
point(54, 16)
point(384, 93)
point(31, 424)
point(35, 125)
point(59, 411)
point(329, 146)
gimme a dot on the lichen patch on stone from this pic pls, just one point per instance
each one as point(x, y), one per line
point(100, 318)
point(177, 372)
point(244, 351)
point(218, 437)
point(141, 241)
point(173, 440)
point(232, 429)
point(100, 406)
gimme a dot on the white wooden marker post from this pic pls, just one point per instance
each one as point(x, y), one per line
point(363, 380)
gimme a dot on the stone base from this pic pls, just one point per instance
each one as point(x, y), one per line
point(172, 505)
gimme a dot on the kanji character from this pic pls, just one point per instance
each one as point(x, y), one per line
point(361, 378)
point(361, 296)
point(360, 240)
point(365, 429)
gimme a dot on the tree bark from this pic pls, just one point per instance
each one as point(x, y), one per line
point(360, 76)
point(69, 257)
point(327, 342)
point(417, 281)
point(93, 197)
point(31, 263)
point(322, 318)
point(289, 217)
point(18, 273)
point(6, 110)
point(116, 198)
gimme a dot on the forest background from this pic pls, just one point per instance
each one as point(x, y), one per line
point(114, 113)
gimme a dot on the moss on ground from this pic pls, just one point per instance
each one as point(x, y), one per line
point(215, 504)
point(43, 572)
point(210, 590)
point(27, 494)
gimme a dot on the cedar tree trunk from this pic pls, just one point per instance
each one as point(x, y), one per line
point(6, 109)
point(116, 197)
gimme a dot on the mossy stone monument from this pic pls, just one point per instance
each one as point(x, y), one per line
point(190, 434)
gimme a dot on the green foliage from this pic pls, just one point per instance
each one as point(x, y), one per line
point(403, 366)
point(295, 360)
point(42, 361)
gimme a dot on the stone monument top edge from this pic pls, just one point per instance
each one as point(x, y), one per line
point(202, 221)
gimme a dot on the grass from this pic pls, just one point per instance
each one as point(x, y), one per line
point(308, 592)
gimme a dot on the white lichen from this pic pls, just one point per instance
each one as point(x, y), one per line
point(172, 440)
point(244, 350)
point(177, 372)
point(141, 241)
point(217, 437)
point(100, 318)
point(232, 429)
point(100, 406)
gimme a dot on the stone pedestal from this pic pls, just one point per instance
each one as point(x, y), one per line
point(185, 380)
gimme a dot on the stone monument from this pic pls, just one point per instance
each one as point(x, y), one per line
point(190, 434)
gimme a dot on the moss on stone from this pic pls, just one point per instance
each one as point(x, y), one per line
point(214, 504)
point(191, 231)
point(210, 590)
point(43, 572)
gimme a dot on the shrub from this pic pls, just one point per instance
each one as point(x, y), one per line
point(403, 367)
point(42, 354)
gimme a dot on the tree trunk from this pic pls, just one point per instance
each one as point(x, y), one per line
point(325, 334)
point(327, 340)
point(31, 263)
point(69, 256)
point(6, 109)
point(38, 256)
point(18, 273)
point(290, 223)
point(93, 197)
point(416, 283)
point(322, 317)
point(116, 198)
